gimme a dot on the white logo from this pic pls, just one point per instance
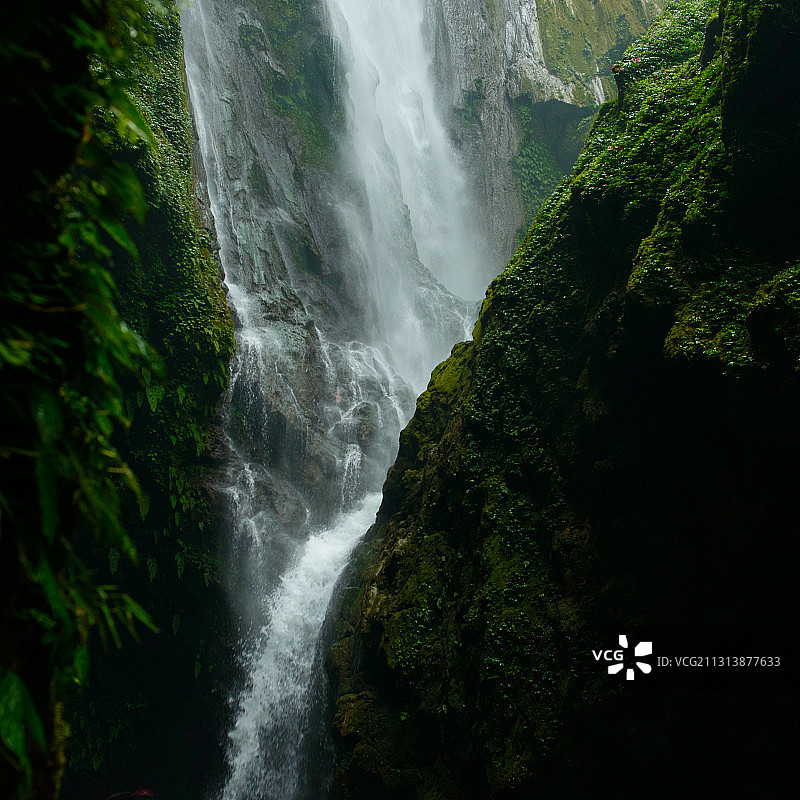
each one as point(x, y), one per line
point(642, 649)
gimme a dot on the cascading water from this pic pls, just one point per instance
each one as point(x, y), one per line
point(267, 740)
point(418, 207)
point(324, 378)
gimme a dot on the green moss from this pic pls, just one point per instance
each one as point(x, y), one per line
point(252, 39)
point(305, 255)
point(552, 136)
point(574, 49)
point(171, 295)
point(470, 111)
point(300, 85)
point(537, 172)
point(292, 99)
point(608, 449)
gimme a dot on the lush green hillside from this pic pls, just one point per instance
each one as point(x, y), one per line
point(581, 40)
point(616, 446)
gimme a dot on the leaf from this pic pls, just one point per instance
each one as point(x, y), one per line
point(130, 121)
point(18, 714)
point(80, 664)
point(42, 574)
point(49, 420)
point(116, 230)
point(139, 613)
point(16, 352)
point(154, 395)
point(113, 559)
point(109, 622)
point(48, 495)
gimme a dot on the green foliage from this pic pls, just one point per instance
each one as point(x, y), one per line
point(120, 711)
point(64, 349)
point(581, 39)
point(102, 141)
point(672, 40)
point(19, 721)
point(172, 296)
point(292, 99)
point(537, 172)
point(470, 111)
point(552, 136)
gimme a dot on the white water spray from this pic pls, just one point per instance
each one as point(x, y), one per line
point(418, 207)
point(269, 732)
point(401, 145)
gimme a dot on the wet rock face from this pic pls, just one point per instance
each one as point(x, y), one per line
point(615, 447)
point(271, 177)
point(495, 58)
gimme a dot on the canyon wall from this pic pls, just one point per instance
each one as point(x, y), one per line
point(613, 449)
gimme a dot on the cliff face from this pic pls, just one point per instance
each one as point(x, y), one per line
point(614, 447)
point(524, 79)
point(296, 223)
point(514, 93)
point(332, 179)
point(271, 165)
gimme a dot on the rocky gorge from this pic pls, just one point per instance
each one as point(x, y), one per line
point(368, 172)
point(608, 450)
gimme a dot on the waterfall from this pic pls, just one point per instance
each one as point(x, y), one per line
point(347, 285)
point(268, 736)
point(418, 207)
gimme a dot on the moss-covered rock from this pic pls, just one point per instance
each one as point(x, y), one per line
point(615, 447)
point(580, 43)
point(298, 70)
point(143, 698)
